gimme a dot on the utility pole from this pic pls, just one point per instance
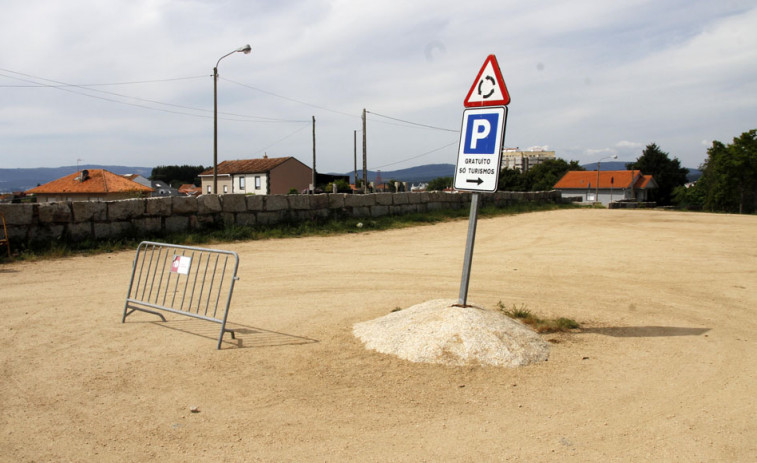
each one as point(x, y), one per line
point(365, 158)
point(354, 136)
point(313, 191)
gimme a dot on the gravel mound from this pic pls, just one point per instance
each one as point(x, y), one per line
point(437, 332)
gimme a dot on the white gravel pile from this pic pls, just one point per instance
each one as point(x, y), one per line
point(437, 332)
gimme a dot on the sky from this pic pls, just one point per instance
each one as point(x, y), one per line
point(129, 82)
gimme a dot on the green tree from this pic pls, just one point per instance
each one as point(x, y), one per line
point(439, 184)
point(667, 172)
point(511, 180)
point(729, 175)
point(542, 177)
point(177, 175)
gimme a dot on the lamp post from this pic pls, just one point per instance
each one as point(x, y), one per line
point(596, 194)
point(246, 50)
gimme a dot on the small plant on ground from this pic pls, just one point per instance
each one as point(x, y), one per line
point(554, 325)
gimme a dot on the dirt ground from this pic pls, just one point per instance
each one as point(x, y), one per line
point(663, 369)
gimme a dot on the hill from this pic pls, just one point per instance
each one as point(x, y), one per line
point(416, 174)
point(23, 179)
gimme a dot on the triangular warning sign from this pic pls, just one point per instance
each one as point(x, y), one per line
point(489, 87)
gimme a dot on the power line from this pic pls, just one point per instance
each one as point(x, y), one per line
point(292, 99)
point(413, 123)
point(112, 84)
point(418, 156)
point(66, 87)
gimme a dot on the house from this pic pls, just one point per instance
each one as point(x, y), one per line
point(189, 189)
point(266, 176)
point(160, 188)
point(90, 185)
point(610, 185)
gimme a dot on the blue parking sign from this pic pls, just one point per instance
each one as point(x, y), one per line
point(481, 134)
point(480, 153)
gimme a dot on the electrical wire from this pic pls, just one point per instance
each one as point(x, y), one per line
point(412, 123)
point(66, 87)
point(417, 156)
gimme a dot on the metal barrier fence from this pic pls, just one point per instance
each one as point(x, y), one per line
point(186, 280)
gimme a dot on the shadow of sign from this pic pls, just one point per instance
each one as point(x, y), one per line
point(246, 336)
point(645, 331)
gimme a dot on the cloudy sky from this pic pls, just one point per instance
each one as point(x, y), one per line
point(129, 82)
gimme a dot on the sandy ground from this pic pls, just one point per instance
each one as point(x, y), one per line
point(664, 368)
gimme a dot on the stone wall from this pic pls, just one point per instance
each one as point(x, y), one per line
point(79, 220)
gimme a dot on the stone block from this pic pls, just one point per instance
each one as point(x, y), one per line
point(255, 203)
point(126, 209)
point(269, 218)
point(80, 231)
point(359, 200)
point(234, 203)
point(183, 205)
point(158, 206)
point(299, 202)
point(379, 211)
point(276, 203)
point(228, 218)
point(177, 223)
point(245, 219)
point(361, 211)
point(319, 201)
point(46, 232)
point(401, 198)
point(87, 211)
point(384, 199)
point(148, 225)
point(18, 214)
point(336, 201)
point(55, 212)
point(208, 204)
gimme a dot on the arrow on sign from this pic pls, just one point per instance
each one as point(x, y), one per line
point(478, 181)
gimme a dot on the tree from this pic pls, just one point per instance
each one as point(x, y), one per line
point(511, 180)
point(729, 175)
point(542, 177)
point(177, 175)
point(439, 184)
point(667, 173)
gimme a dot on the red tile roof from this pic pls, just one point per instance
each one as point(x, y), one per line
point(247, 166)
point(581, 179)
point(99, 181)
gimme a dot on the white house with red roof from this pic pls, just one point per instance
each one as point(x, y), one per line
point(266, 176)
point(606, 186)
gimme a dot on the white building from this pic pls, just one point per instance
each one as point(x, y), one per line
point(513, 158)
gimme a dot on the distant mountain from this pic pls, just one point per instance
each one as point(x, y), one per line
point(23, 179)
point(412, 175)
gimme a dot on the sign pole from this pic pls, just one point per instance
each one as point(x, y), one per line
point(472, 221)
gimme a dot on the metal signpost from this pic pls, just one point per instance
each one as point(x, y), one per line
point(479, 155)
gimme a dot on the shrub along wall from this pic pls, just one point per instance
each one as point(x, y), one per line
point(79, 220)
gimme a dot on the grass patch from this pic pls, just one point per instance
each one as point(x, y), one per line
point(552, 325)
point(316, 227)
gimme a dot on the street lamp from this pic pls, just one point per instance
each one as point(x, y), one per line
point(246, 50)
point(614, 156)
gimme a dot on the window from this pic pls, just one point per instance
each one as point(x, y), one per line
point(257, 182)
point(209, 192)
point(241, 183)
point(225, 189)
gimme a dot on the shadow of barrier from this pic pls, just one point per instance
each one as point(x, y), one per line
point(245, 336)
point(645, 331)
